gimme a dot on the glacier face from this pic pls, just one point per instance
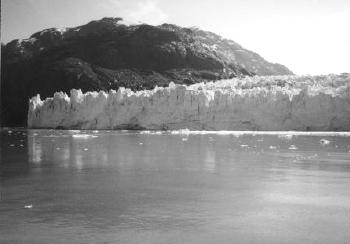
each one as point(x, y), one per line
point(307, 103)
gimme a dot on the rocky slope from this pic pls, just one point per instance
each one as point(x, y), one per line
point(105, 54)
point(320, 103)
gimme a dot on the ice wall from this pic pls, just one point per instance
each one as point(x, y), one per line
point(315, 103)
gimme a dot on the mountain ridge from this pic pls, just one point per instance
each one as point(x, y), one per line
point(105, 54)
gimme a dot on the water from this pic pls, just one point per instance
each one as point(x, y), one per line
point(132, 187)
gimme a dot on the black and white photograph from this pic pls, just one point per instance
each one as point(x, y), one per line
point(166, 122)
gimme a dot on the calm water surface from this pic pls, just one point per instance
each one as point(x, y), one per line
point(131, 187)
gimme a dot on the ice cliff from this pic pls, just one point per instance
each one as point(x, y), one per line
point(308, 103)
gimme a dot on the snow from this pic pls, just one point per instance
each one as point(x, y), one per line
point(31, 40)
point(83, 136)
point(271, 103)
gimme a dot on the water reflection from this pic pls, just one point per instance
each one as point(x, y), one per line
point(210, 162)
point(132, 151)
point(138, 186)
point(13, 153)
point(35, 149)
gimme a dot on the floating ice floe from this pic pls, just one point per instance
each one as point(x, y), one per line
point(83, 136)
point(280, 134)
point(292, 147)
point(180, 132)
point(273, 147)
point(150, 132)
point(324, 142)
point(29, 206)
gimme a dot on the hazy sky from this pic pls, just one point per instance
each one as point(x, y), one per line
point(308, 36)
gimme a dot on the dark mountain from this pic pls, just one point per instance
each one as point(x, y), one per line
point(105, 55)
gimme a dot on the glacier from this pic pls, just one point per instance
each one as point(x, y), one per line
point(259, 103)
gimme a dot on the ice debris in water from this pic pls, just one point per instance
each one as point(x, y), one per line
point(151, 132)
point(83, 136)
point(324, 142)
point(180, 132)
point(282, 103)
point(29, 206)
point(292, 147)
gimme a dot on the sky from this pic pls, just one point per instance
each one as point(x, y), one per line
point(308, 36)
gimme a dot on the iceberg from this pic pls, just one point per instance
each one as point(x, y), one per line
point(259, 103)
